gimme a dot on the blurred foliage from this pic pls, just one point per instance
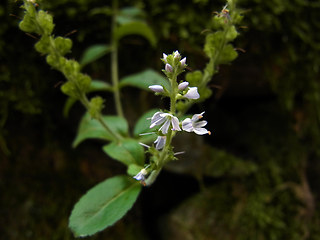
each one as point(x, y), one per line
point(261, 176)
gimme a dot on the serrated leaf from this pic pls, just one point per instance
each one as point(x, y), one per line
point(128, 151)
point(144, 79)
point(143, 124)
point(92, 128)
point(136, 28)
point(94, 52)
point(103, 205)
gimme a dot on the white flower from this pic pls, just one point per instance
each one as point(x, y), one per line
point(183, 85)
point(166, 119)
point(168, 67)
point(156, 88)
point(192, 93)
point(183, 62)
point(160, 142)
point(194, 125)
point(141, 176)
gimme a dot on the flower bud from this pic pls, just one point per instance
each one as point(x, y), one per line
point(164, 57)
point(183, 62)
point(183, 85)
point(176, 54)
point(168, 67)
point(156, 88)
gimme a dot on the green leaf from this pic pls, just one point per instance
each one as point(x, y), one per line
point(143, 124)
point(128, 151)
point(134, 169)
point(136, 28)
point(91, 128)
point(98, 85)
point(130, 14)
point(103, 205)
point(67, 106)
point(144, 79)
point(94, 52)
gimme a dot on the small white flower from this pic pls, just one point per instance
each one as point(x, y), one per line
point(156, 88)
point(183, 62)
point(141, 176)
point(160, 142)
point(168, 67)
point(166, 119)
point(194, 125)
point(183, 85)
point(192, 93)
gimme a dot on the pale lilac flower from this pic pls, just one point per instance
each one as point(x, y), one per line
point(194, 125)
point(156, 88)
point(160, 142)
point(141, 176)
point(166, 119)
point(183, 85)
point(183, 62)
point(168, 67)
point(192, 93)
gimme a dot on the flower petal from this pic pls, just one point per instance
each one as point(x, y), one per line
point(200, 124)
point(164, 128)
point(187, 125)
point(175, 124)
point(160, 142)
point(200, 131)
point(157, 119)
point(196, 117)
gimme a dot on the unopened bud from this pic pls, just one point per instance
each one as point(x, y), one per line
point(183, 85)
point(168, 67)
point(156, 88)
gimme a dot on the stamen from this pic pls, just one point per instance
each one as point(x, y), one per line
point(144, 145)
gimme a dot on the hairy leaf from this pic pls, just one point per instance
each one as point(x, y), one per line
point(103, 205)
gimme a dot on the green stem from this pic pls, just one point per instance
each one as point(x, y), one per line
point(114, 62)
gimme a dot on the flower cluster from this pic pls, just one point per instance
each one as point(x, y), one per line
point(174, 65)
point(167, 121)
